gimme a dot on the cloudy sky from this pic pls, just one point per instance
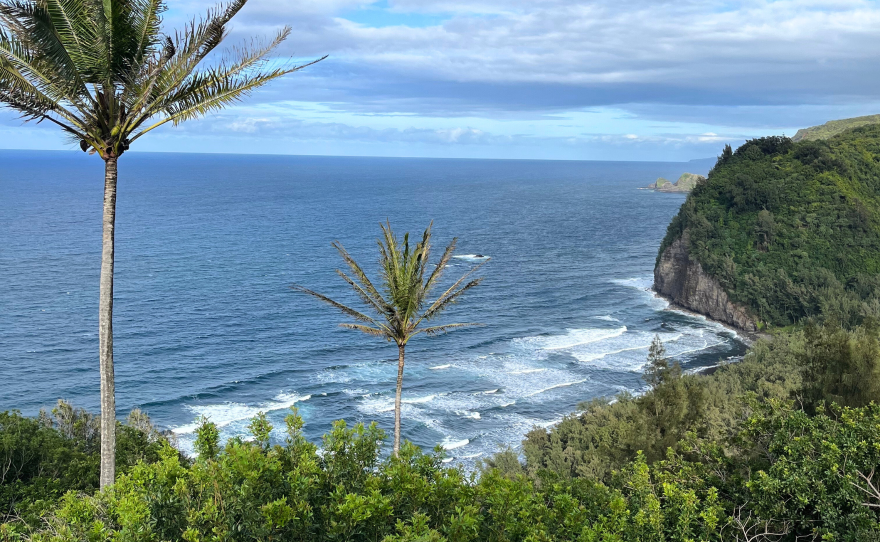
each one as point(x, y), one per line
point(555, 79)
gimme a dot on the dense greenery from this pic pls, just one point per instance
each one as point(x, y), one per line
point(792, 230)
point(43, 458)
point(753, 448)
point(606, 435)
point(778, 470)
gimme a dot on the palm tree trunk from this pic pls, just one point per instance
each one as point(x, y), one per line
point(105, 329)
point(400, 349)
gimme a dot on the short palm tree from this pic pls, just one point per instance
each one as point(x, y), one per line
point(402, 306)
point(104, 72)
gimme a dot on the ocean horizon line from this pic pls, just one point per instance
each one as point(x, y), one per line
point(75, 151)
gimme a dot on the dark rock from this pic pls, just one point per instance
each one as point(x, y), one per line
point(682, 280)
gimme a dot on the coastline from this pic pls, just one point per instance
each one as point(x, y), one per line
point(748, 338)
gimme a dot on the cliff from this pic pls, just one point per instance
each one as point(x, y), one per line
point(682, 280)
point(833, 127)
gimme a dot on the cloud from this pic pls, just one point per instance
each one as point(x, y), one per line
point(517, 57)
point(457, 74)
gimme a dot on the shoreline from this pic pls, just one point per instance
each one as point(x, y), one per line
point(748, 338)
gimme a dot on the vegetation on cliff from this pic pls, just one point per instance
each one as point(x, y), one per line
point(792, 230)
point(833, 128)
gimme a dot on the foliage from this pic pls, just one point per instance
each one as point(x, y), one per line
point(106, 74)
point(842, 367)
point(798, 475)
point(606, 435)
point(43, 458)
point(725, 456)
point(792, 230)
point(251, 492)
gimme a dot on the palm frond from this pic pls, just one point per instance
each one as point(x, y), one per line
point(435, 275)
point(146, 23)
point(433, 331)
point(212, 92)
point(365, 297)
point(403, 268)
point(443, 301)
point(376, 298)
point(345, 309)
point(31, 65)
point(104, 72)
point(377, 332)
point(23, 96)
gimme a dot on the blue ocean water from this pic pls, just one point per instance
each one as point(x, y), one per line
point(206, 324)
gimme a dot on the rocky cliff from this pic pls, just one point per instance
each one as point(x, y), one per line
point(683, 281)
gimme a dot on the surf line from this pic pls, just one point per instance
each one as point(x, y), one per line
point(563, 385)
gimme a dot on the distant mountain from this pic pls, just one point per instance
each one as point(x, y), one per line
point(833, 127)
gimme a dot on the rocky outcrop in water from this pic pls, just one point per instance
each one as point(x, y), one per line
point(682, 280)
point(685, 183)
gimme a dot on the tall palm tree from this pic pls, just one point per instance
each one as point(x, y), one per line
point(402, 306)
point(106, 74)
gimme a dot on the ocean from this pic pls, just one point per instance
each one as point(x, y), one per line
point(206, 323)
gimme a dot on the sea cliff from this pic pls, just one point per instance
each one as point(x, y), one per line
point(681, 279)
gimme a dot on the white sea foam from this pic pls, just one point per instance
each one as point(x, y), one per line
point(607, 318)
point(571, 339)
point(468, 414)
point(630, 342)
point(553, 387)
point(227, 413)
point(355, 391)
point(378, 404)
point(527, 371)
point(644, 284)
point(472, 456)
point(449, 444)
point(472, 257)
point(640, 283)
point(439, 367)
point(419, 399)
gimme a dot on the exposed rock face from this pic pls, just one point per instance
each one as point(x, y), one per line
point(683, 281)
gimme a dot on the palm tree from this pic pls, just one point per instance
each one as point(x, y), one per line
point(103, 71)
point(402, 307)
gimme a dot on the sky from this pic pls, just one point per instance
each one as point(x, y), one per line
point(538, 79)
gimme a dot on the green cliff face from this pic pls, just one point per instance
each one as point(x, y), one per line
point(791, 230)
point(833, 128)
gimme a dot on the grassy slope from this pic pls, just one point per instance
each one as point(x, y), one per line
point(792, 230)
point(833, 128)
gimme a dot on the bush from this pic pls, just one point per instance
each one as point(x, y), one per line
point(43, 458)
